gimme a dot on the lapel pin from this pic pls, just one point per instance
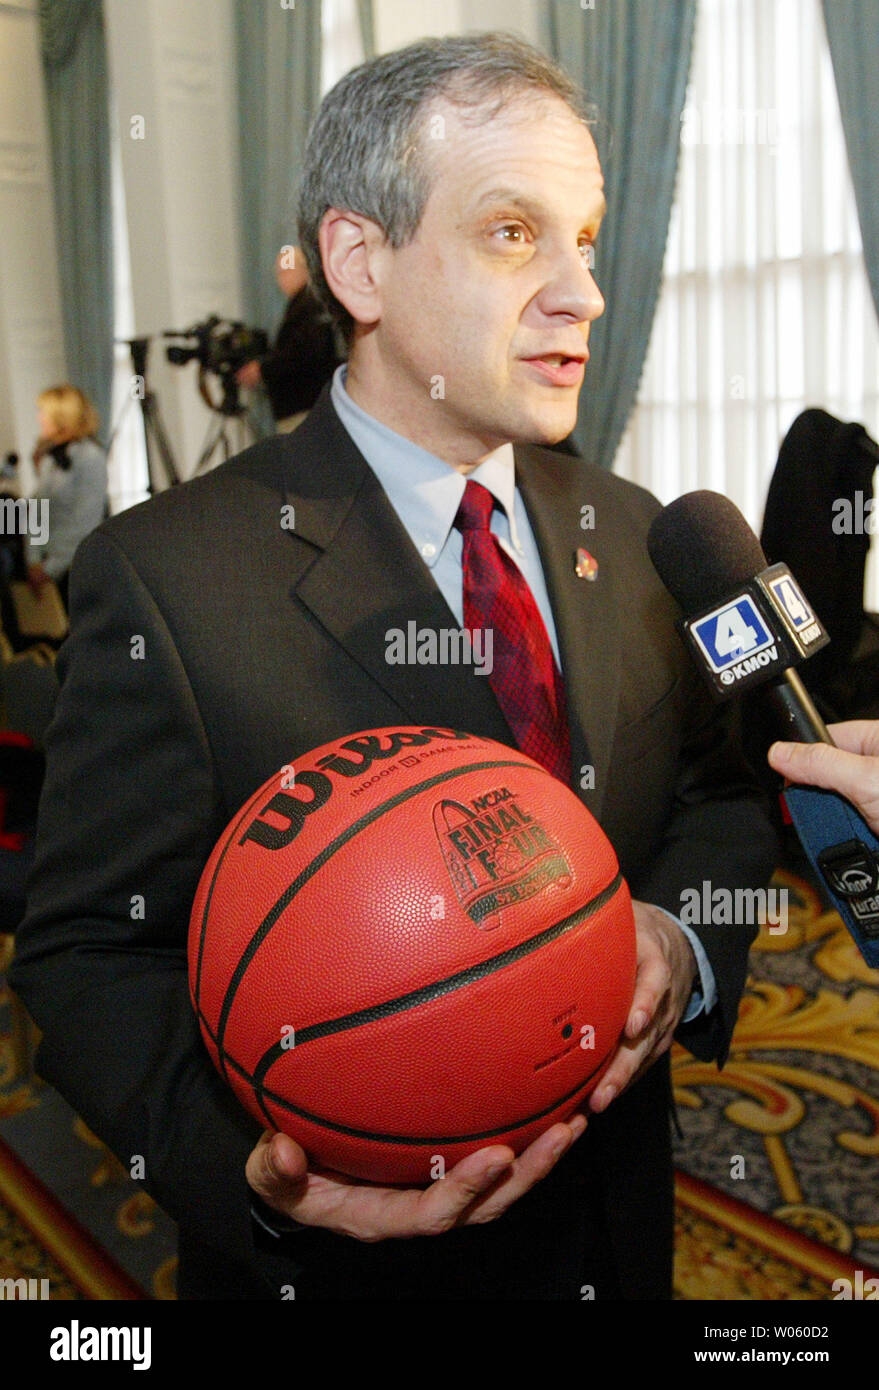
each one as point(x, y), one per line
point(585, 565)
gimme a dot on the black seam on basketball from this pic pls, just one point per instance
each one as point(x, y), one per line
point(427, 993)
point(414, 1140)
point(245, 811)
point(205, 1024)
point(318, 862)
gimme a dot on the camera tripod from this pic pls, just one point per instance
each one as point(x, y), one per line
point(158, 447)
point(230, 408)
point(155, 436)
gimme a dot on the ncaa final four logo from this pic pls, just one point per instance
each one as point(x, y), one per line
point(496, 854)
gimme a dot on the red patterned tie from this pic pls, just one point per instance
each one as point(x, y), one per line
point(524, 676)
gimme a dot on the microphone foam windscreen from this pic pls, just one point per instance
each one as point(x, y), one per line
point(703, 549)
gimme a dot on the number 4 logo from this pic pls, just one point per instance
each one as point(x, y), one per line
point(731, 632)
point(788, 593)
point(733, 636)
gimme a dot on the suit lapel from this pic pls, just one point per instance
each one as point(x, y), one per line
point(554, 487)
point(367, 578)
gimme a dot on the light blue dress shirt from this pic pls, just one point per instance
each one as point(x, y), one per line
point(426, 492)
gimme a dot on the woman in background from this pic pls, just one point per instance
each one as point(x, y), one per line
point(72, 475)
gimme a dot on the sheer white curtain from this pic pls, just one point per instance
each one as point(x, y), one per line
point(765, 307)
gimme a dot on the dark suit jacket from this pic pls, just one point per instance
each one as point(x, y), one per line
point(822, 459)
point(260, 643)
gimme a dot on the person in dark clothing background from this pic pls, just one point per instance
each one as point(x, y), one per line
point(304, 354)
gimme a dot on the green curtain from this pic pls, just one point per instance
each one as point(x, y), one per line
point(279, 60)
point(632, 58)
point(367, 27)
point(852, 31)
point(77, 93)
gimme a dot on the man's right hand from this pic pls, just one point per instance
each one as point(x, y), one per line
point(478, 1189)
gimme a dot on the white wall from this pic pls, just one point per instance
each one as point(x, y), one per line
point(398, 22)
point(31, 330)
point(172, 63)
point(520, 16)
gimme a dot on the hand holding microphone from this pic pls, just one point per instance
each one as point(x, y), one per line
point(851, 768)
point(746, 623)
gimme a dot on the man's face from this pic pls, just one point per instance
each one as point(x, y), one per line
point(494, 286)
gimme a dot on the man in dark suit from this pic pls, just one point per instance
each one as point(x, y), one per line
point(222, 630)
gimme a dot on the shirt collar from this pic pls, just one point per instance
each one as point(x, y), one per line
point(424, 490)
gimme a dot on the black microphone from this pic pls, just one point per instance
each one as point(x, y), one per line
point(745, 622)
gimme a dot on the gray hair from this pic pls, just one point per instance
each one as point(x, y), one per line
point(364, 152)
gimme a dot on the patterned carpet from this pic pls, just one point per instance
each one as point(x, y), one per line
point(68, 1209)
point(724, 1250)
point(791, 1125)
point(40, 1241)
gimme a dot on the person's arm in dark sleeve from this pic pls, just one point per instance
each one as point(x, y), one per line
point(717, 827)
point(720, 832)
point(128, 817)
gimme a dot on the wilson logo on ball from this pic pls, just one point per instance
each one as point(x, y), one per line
point(352, 758)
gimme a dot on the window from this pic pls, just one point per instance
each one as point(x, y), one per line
point(765, 306)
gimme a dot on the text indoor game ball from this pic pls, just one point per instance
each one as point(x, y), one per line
point(412, 944)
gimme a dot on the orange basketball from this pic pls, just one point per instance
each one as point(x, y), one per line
point(414, 943)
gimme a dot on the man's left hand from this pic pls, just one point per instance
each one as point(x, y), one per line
point(663, 984)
